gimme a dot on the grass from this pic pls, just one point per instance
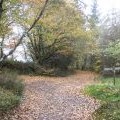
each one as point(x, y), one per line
point(108, 111)
point(109, 95)
point(110, 81)
point(11, 90)
point(8, 100)
point(104, 92)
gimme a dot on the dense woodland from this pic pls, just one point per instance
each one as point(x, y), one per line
point(52, 34)
point(55, 38)
point(58, 34)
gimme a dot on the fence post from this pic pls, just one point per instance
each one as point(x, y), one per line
point(114, 74)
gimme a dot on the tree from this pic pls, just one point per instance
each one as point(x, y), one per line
point(91, 59)
point(1, 8)
point(40, 13)
point(94, 17)
point(110, 34)
point(42, 50)
point(110, 28)
point(113, 52)
point(66, 27)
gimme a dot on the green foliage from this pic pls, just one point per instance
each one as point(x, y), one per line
point(66, 28)
point(109, 111)
point(60, 60)
point(20, 67)
point(104, 92)
point(113, 50)
point(35, 69)
point(109, 80)
point(8, 100)
point(11, 90)
point(62, 30)
point(112, 54)
point(110, 98)
point(110, 42)
point(10, 81)
point(97, 64)
point(47, 53)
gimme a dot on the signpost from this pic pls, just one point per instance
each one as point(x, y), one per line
point(113, 69)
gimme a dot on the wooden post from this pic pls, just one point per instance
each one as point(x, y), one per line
point(114, 75)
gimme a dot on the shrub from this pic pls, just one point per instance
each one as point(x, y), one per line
point(60, 60)
point(11, 90)
point(61, 73)
point(96, 63)
point(56, 65)
point(23, 68)
point(8, 100)
point(20, 67)
point(10, 81)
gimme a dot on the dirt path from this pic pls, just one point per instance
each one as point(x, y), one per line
point(56, 98)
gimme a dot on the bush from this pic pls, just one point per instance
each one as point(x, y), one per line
point(11, 90)
point(10, 81)
point(62, 73)
point(57, 65)
point(8, 100)
point(59, 60)
point(20, 67)
point(23, 68)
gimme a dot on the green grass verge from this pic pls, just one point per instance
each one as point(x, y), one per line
point(104, 92)
point(109, 95)
point(109, 111)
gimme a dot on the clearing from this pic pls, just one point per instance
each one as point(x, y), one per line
point(56, 98)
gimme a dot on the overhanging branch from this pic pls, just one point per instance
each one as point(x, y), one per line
point(25, 33)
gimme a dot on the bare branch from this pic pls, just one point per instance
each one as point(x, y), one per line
point(25, 33)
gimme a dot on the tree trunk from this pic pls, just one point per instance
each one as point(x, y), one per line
point(1, 8)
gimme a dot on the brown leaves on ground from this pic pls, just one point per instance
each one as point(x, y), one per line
point(56, 98)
